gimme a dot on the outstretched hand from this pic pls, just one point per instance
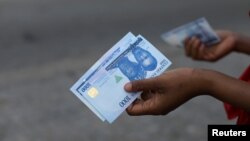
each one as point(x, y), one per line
point(164, 93)
point(198, 51)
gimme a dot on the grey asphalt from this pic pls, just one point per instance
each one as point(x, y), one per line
point(45, 46)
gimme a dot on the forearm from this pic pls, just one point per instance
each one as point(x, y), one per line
point(242, 43)
point(226, 88)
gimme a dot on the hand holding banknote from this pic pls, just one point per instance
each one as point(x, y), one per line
point(199, 28)
point(164, 93)
point(197, 50)
point(101, 87)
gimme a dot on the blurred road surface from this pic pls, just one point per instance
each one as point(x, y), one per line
point(46, 45)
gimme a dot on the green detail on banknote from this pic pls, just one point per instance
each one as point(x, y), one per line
point(118, 78)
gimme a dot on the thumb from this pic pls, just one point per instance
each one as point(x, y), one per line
point(142, 85)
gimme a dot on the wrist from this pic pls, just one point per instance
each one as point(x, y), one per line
point(202, 82)
point(242, 43)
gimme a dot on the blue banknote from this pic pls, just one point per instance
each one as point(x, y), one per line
point(102, 86)
point(199, 28)
point(125, 41)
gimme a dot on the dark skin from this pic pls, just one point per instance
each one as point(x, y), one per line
point(163, 94)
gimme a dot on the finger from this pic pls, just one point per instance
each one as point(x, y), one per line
point(139, 108)
point(225, 47)
point(222, 33)
point(142, 85)
point(201, 51)
point(209, 57)
point(195, 48)
point(137, 100)
point(146, 95)
point(220, 50)
point(188, 46)
point(186, 41)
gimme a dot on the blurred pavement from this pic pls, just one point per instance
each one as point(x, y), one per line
point(46, 45)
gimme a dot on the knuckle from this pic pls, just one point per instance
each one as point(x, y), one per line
point(135, 85)
point(129, 112)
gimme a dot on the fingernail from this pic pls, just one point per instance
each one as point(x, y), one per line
point(128, 87)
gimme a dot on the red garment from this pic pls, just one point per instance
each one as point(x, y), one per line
point(234, 112)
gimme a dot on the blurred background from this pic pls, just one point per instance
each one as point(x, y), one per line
point(46, 45)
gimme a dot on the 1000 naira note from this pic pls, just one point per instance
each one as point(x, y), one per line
point(199, 28)
point(101, 88)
